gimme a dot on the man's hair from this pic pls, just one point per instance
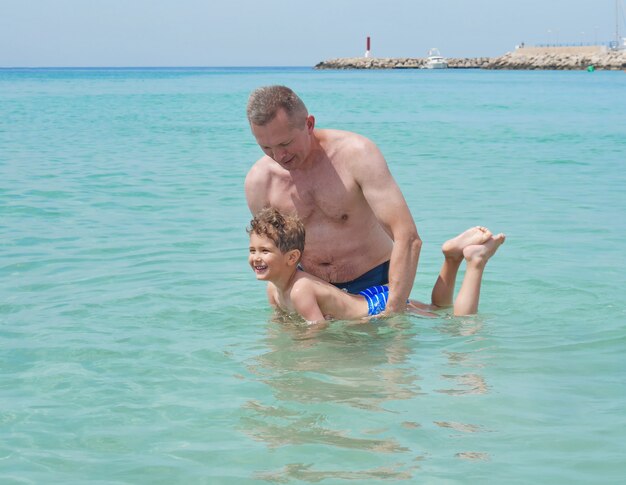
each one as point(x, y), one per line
point(287, 232)
point(265, 102)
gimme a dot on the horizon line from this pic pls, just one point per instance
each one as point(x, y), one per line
point(154, 67)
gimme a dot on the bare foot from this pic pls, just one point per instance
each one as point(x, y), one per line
point(454, 247)
point(479, 254)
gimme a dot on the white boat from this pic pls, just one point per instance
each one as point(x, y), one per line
point(435, 60)
point(619, 43)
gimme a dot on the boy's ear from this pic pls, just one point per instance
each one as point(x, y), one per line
point(293, 256)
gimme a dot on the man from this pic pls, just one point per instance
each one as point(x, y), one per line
point(360, 232)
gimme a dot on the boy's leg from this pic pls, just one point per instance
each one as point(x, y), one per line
point(476, 255)
point(443, 291)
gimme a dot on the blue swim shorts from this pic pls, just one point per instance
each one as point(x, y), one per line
point(374, 277)
point(376, 297)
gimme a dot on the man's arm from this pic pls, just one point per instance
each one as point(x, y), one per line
point(388, 204)
point(255, 187)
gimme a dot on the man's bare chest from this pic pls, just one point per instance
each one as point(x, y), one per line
point(326, 198)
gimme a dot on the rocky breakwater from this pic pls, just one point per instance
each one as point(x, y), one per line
point(560, 58)
point(572, 58)
point(398, 63)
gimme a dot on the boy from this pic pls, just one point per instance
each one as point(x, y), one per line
point(276, 245)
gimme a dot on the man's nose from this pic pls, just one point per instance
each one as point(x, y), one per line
point(279, 154)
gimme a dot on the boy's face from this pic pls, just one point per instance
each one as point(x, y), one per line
point(265, 259)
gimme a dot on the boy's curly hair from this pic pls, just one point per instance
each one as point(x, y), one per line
point(287, 232)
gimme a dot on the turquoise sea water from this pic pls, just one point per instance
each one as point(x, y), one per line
point(137, 347)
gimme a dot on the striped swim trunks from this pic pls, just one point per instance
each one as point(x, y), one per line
point(376, 297)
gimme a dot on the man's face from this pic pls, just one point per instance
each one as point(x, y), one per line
point(280, 140)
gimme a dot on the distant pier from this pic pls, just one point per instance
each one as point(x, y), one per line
point(527, 58)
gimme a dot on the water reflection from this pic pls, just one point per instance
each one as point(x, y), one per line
point(308, 428)
point(468, 382)
point(465, 384)
point(361, 366)
point(299, 471)
point(473, 456)
point(340, 387)
point(462, 326)
point(465, 428)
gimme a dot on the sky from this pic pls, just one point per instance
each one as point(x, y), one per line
point(141, 33)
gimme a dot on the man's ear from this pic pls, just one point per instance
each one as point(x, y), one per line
point(293, 256)
point(310, 123)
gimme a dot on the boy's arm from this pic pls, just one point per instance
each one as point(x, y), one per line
point(271, 295)
point(304, 301)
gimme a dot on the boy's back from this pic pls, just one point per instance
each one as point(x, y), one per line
point(316, 300)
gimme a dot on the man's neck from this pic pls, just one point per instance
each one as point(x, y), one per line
point(314, 155)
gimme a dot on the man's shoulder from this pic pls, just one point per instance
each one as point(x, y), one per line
point(346, 138)
point(260, 172)
point(260, 165)
point(351, 150)
point(346, 143)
